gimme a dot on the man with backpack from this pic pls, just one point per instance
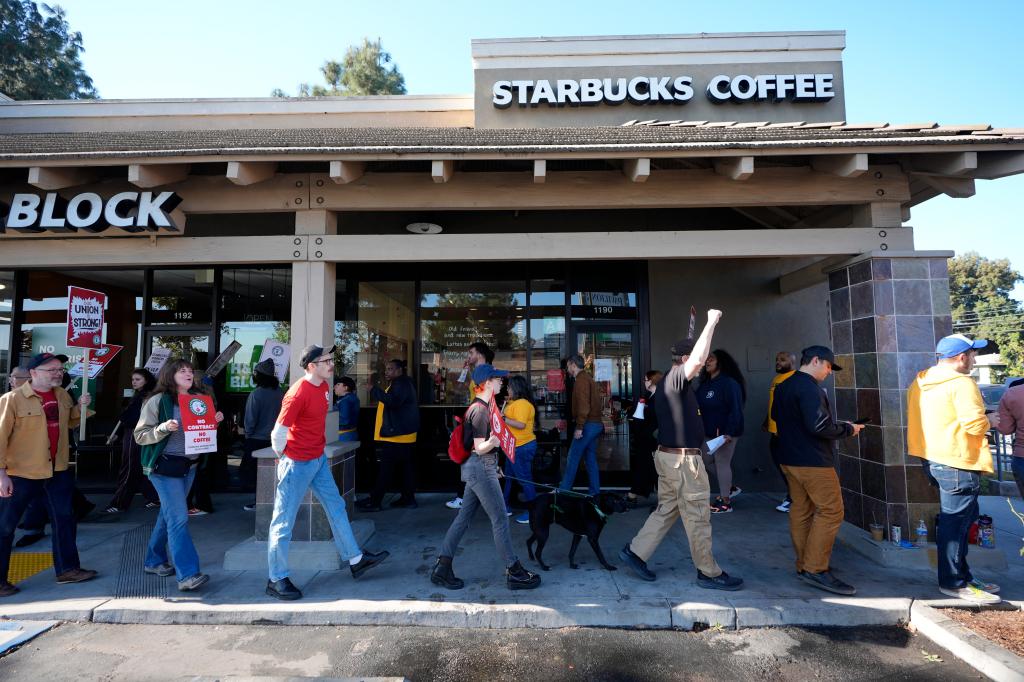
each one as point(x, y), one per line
point(479, 449)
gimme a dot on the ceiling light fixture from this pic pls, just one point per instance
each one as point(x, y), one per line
point(424, 228)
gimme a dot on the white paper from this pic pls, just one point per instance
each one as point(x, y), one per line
point(639, 412)
point(157, 359)
point(604, 369)
point(714, 444)
point(280, 353)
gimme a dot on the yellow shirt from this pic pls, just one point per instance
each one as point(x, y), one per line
point(472, 392)
point(522, 411)
point(776, 380)
point(404, 438)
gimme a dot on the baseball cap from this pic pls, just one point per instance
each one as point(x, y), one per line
point(311, 353)
point(822, 353)
point(42, 358)
point(955, 344)
point(484, 372)
point(682, 347)
point(266, 367)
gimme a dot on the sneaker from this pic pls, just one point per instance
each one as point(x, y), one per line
point(523, 518)
point(454, 504)
point(828, 582)
point(368, 561)
point(735, 491)
point(991, 588)
point(152, 505)
point(784, 506)
point(112, 510)
point(7, 589)
point(972, 594)
point(163, 570)
point(638, 565)
point(195, 511)
point(518, 578)
point(75, 575)
point(720, 506)
point(249, 507)
point(283, 589)
point(193, 583)
point(722, 581)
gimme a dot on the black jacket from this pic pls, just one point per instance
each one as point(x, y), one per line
point(401, 409)
point(807, 429)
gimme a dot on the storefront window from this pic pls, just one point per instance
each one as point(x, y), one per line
point(6, 314)
point(255, 306)
point(182, 297)
point(375, 322)
point(455, 314)
point(547, 347)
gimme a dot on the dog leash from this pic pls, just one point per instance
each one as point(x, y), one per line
point(556, 491)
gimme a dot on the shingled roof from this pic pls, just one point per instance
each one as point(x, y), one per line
point(638, 136)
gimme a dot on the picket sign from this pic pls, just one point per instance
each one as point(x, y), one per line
point(500, 429)
point(85, 330)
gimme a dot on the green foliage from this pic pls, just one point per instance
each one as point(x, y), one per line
point(39, 54)
point(363, 71)
point(979, 290)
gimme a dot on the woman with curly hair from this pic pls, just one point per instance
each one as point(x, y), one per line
point(721, 397)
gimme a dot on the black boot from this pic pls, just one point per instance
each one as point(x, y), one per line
point(443, 575)
point(519, 578)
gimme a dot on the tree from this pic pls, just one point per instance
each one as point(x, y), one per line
point(40, 57)
point(979, 290)
point(361, 72)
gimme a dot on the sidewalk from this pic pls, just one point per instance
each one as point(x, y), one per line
point(752, 542)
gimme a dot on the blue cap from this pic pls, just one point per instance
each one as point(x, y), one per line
point(955, 344)
point(482, 373)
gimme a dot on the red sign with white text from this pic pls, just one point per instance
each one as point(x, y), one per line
point(85, 317)
point(500, 429)
point(100, 359)
point(199, 422)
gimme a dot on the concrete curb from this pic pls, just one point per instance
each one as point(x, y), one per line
point(973, 649)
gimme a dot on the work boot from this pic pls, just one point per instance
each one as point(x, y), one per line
point(368, 561)
point(638, 565)
point(443, 575)
point(518, 578)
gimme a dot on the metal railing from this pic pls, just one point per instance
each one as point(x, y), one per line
point(1002, 451)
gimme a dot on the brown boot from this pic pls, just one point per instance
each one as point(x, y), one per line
point(75, 575)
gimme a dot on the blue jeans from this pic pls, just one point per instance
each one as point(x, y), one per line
point(522, 469)
point(348, 436)
point(55, 493)
point(294, 478)
point(1017, 467)
point(482, 490)
point(958, 500)
point(584, 448)
point(171, 531)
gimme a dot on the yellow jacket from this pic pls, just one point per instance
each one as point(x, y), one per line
point(946, 421)
point(24, 442)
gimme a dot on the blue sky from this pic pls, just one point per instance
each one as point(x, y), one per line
point(950, 62)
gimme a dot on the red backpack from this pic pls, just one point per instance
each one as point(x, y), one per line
point(457, 450)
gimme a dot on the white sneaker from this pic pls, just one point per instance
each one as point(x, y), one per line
point(784, 506)
point(971, 594)
point(991, 588)
point(454, 504)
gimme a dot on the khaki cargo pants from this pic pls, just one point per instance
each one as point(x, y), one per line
point(683, 490)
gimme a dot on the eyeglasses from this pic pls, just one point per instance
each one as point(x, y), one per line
point(52, 371)
point(324, 360)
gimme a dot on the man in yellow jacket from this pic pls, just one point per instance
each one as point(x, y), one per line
point(946, 428)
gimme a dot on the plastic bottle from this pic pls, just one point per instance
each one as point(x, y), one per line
point(921, 534)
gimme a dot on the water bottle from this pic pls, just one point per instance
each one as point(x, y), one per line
point(921, 534)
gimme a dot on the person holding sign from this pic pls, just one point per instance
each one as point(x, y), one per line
point(174, 431)
point(299, 440)
point(480, 473)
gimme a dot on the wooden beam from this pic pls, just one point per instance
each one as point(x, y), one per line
point(809, 275)
point(992, 165)
point(156, 175)
point(441, 171)
point(735, 168)
point(540, 171)
point(250, 172)
point(843, 165)
point(877, 214)
point(637, 170)
point(344, 172)
point(155, 250)
point(52, 178)
point(956, 163)
point(957, 188)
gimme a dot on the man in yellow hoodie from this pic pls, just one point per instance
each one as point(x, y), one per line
point(946, 428)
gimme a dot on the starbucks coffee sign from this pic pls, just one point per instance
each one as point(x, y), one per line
point(88, 212)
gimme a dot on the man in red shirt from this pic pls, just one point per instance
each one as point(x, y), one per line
point(299, 439)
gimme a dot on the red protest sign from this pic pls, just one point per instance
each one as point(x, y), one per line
point(199, 422)
point(100, 359)
point(500, 429)
point(85, 317)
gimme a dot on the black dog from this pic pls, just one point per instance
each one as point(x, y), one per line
point(578, 515)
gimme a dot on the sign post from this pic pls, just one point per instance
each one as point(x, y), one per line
point(85, 329)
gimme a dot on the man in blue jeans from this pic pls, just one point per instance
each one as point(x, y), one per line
point(586, 414)
point(947, 428)
point(298, 439)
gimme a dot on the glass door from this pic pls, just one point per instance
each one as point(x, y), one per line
point(611, 355)
point(193, 346)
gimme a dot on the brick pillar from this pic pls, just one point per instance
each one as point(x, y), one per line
point(886, 313)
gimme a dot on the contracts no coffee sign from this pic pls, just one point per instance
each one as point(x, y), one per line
point(798, 87)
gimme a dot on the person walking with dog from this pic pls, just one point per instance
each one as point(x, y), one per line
point(480, 473)
point(478, 353)
point(785, 366)
point(520, 414)
point(683, 486)
point(586, 412)
point(299, 440)
point(721, 396)
point(808, 432)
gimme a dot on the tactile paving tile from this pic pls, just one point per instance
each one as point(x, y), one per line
point(24, 565)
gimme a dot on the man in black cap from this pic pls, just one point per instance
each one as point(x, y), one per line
point(808, 432)
point(34, 423)
point(299, 440)
point(683, 486)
